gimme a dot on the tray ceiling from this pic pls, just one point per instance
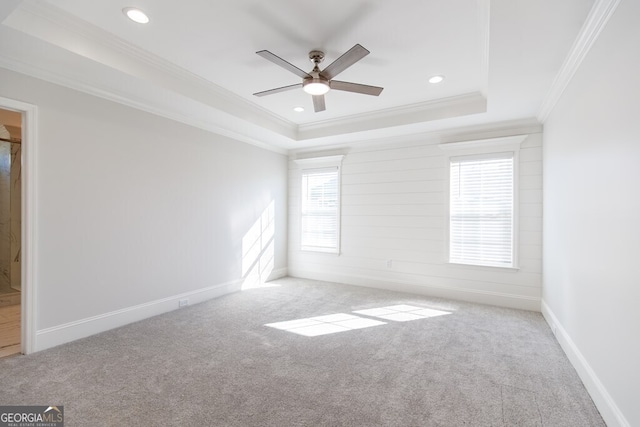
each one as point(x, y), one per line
point(195, 61)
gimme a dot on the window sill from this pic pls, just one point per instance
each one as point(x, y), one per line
point(484, 267)
point(320, 251)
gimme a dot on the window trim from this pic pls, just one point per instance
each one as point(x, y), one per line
point(475, 148)
point(322, 163)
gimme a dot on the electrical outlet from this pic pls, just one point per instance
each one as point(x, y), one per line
point(183, 302)
point(389, 263)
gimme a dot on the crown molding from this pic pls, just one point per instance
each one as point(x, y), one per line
point(130, 101)
point(402, 109)
point(456, 134)
point(455, 106)
point(598, 17)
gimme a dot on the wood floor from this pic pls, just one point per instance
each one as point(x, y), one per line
point(9, 330)
point(9, 297)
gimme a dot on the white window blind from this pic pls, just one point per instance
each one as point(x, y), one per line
point(481, 224)
point(320, 209)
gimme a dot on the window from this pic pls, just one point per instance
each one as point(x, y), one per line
point(319, 213)
point(481, 209)
point(320, 204)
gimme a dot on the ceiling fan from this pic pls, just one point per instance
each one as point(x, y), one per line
point(317, 82)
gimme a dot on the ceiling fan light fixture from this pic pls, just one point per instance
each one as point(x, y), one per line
point(315, 86)
point(318, 82)
point(136, 15)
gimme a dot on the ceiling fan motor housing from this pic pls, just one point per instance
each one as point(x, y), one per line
point(316, 56)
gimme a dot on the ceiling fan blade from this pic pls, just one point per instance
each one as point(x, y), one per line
point(355, 87)
point(318, 103)
point(284, 64)
point(349, 58)
point(277, 90)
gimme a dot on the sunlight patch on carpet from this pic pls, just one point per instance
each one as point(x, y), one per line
point(324, 325)
point(402, 312)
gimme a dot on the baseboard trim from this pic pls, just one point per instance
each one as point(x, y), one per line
point(278, 274)
point(471, 295)
point(67, 332)
point(601, 397)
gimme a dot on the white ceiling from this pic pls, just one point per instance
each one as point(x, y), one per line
point(195, 61)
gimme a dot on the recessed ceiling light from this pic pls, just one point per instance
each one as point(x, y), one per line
point(298, 109)
point(136, 15)
point(436, 79)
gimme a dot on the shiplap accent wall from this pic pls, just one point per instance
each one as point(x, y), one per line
point(394, 222)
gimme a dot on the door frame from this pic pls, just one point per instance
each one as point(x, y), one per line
point(29, 220)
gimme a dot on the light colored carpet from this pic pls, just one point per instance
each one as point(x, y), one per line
point(217, 364)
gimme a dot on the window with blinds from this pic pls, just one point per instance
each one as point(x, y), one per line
point(320, 209)
point(481, 220)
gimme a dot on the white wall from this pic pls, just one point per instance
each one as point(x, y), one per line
point(136, 211)
point(591, 219)
point(393, 208)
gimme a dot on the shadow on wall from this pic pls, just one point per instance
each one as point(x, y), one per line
point(258, 251)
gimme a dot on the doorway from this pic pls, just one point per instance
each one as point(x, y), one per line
point(10, 232)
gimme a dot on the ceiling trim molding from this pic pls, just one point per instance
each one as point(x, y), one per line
point(30, 13)
point(598, 17)
point(455, 106)
point(129, 101)
point(457, 134)
point(403, 109)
